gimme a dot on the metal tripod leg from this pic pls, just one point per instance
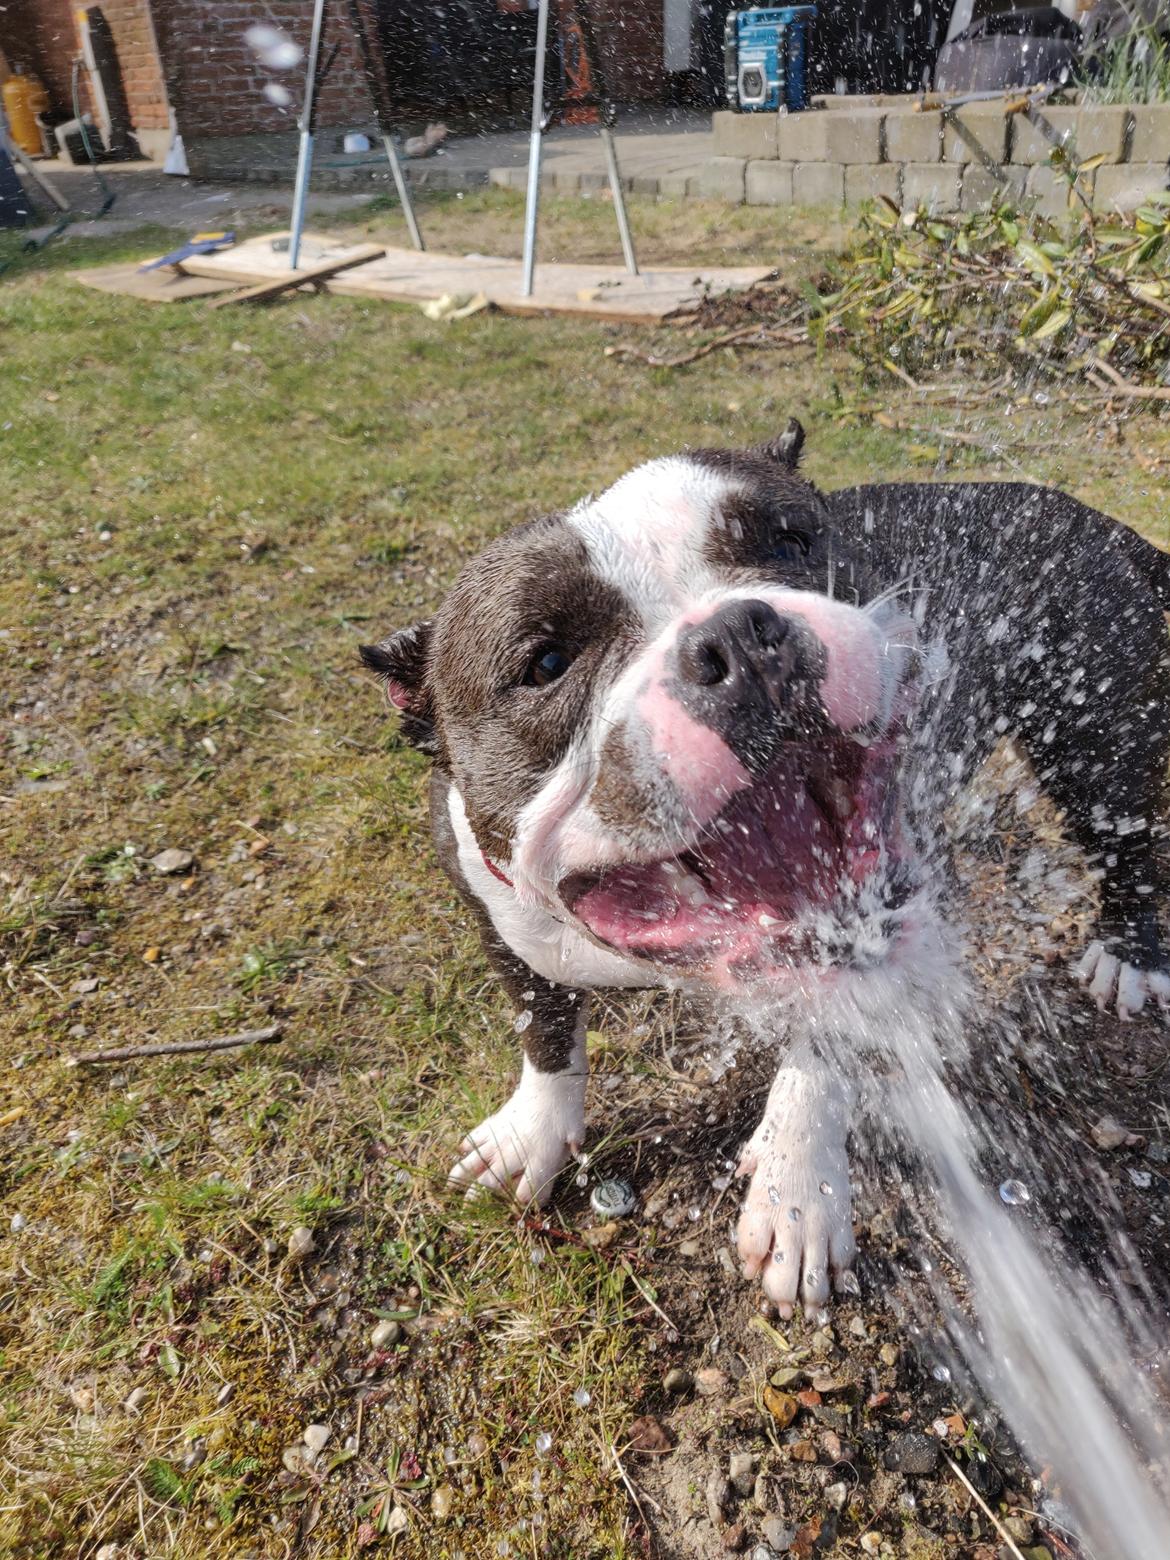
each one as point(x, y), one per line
point(305, 154)
point(619, 200)
point(532, 200)
point(403, 189)
point(608, 115)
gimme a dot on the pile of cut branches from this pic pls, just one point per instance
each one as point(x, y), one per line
point(994, 290)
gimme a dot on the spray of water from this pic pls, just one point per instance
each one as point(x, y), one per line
point(1050, 1345)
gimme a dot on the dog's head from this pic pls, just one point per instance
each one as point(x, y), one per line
point(671, 713)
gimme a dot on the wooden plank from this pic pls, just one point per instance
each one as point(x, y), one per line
point(407, 276)
point(320, 272)
point(127, 281)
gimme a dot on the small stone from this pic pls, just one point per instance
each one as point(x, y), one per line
point(888, 1354)
point(1019, 1529)
point(442, 1502)
point(762, 1552)
point(779, 1535)
point(316, 1438)
point(870, 1542)
point(912, 1452)
point(782, 1406)
point(1142, 1179)
point(82, 1398)
point(194, 1457)
point(786, 1376)
point(735, 1538)
point(710, 1381)
point(225, 1394)
point(297, 1459)
point(18, 1223)
point(678, 1382)
point(476, 1444)
point(1109, 1133)
point(837, 1495)
point(718, 1494)
point(601, 1235)
point(301, 1243)
point(152, 954)
point(803, 1451)
point(134, 1400)
point(108, 1552)
point(857, 1327)
point(688, 1248)
point(742, 1472)
point(822, 1341)
point(647, 1436)
point(171, 861)
point(397, 1522)
point(385, 1335)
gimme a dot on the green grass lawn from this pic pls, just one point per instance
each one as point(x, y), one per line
point(203, 514)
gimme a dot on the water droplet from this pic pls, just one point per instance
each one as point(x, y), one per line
point(19, 1222)
point(522, 1021)
point(582, 1397)
point(850, 1284)
point(536, 1256)
point(450, 1456)
point(694, 1214)
point(793, 1214)
point(503, 1547)
point(826, 1188)
point(543, 1444)
point(1013, 1193)
point(538, 1519)
point(582, 1179)
point(774, 1196)
point(278, 96)
point(941, 1373)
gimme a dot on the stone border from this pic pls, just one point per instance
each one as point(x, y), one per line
point(846, 150)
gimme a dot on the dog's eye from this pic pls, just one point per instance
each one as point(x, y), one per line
point(546, 666)
point(791, 547)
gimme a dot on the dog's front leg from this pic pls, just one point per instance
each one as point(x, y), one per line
point(796, 1227)
point(520, 1150)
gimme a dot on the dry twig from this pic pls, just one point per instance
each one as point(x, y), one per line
point(130, 1053)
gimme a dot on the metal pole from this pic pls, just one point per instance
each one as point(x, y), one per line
point(403, 189)
point(619, 200)
point(608, 118)
point(305, 153)
point(533, 197)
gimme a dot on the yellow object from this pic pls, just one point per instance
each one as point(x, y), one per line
point(24, 98)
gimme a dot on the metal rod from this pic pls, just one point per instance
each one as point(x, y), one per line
point(305, 152)
point(403, 189)
point(608, 117)
point(532, 201)
point(619, 200)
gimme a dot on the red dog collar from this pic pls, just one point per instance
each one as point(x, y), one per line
point(494, 870)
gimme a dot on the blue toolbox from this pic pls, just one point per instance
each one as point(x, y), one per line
point(765, 56)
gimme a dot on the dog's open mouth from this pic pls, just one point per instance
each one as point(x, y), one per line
point(805, 838)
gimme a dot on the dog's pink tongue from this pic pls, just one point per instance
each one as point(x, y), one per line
point(641, 905)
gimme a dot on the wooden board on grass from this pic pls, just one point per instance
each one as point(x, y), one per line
point(166, 286)
point(317, 271)
point(407, 276)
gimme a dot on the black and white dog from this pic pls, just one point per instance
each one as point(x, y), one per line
point(696, 731)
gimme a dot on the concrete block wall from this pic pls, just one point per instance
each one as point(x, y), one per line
point(847, 150)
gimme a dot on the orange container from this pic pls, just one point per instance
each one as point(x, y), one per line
point(24, 98)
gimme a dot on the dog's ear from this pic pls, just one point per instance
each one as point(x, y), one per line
point(786, 447)
point(401, 663)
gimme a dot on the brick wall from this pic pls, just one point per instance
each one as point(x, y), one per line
point(216, 84)
point(42, 36)
point(631, 39)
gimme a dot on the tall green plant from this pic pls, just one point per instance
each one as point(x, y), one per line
point(1132, 69)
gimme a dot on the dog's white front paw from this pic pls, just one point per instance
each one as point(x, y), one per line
point(1115, 984)
point(520, 1151)
point(796, 1229)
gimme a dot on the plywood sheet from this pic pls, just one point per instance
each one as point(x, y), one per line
point(167, 286)
point(406, 276)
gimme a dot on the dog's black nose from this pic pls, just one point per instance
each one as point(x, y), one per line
point(744, 639)
point(751, 675)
